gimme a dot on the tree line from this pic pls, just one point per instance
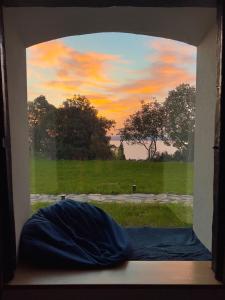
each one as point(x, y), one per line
point(76, 131)
point(172, 121)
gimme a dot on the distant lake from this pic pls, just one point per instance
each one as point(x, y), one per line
point(139, 151)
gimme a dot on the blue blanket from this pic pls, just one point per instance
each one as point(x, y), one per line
point(166, 244)
point(74, 234)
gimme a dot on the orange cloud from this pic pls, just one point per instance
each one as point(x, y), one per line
point(167, 69)
point(66, 86)
point(70, 65)
point(120, 109)
point(102, 99)
point(90, 74)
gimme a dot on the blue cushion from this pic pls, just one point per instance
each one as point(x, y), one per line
point(73, 234)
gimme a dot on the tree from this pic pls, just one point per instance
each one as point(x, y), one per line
point(179, 111)
point(38, 111)
point(73, 131)
point(120, 152)
point(145, 127)
point(81, 133)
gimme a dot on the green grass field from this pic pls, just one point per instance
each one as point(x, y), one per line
point(110, 177)
point(145, 214)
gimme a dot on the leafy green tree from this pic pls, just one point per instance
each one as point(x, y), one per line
point(38, 111)
point(81, 133)
point(145, 127)
point(179, 111)
point(72, 131)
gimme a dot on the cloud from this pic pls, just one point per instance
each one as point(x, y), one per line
point(63, 85)
point(168, 67)
point(172, 51)
point(60, 71)
point(72, 68)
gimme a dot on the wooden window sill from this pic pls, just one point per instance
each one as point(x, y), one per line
point(130, 273)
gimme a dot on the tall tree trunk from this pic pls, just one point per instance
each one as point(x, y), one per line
point(153, 149)
point(149, 154)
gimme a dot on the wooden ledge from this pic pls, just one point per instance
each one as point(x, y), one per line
point(129, 273)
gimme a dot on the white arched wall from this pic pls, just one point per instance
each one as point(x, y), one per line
point(197, 26)
point(204, 136)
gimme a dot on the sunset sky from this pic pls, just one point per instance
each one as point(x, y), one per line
point(115, 71)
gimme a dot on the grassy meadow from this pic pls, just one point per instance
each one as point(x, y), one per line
point(144, 214)
point(110, 177)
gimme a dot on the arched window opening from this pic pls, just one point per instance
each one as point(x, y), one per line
point(112, 122)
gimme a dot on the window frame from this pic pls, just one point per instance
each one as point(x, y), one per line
point(7, 225)
point(218, 237)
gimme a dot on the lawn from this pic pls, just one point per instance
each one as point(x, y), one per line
point(110, 177)
point(144, 214)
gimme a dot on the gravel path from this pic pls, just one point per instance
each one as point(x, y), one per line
point(134, 198)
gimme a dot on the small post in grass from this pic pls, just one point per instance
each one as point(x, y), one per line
point(63, 197)
point(134, 188)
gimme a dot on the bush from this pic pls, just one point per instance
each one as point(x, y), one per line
point(178, 155)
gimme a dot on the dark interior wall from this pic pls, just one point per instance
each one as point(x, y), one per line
point(107, 3)
point(116, 292)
